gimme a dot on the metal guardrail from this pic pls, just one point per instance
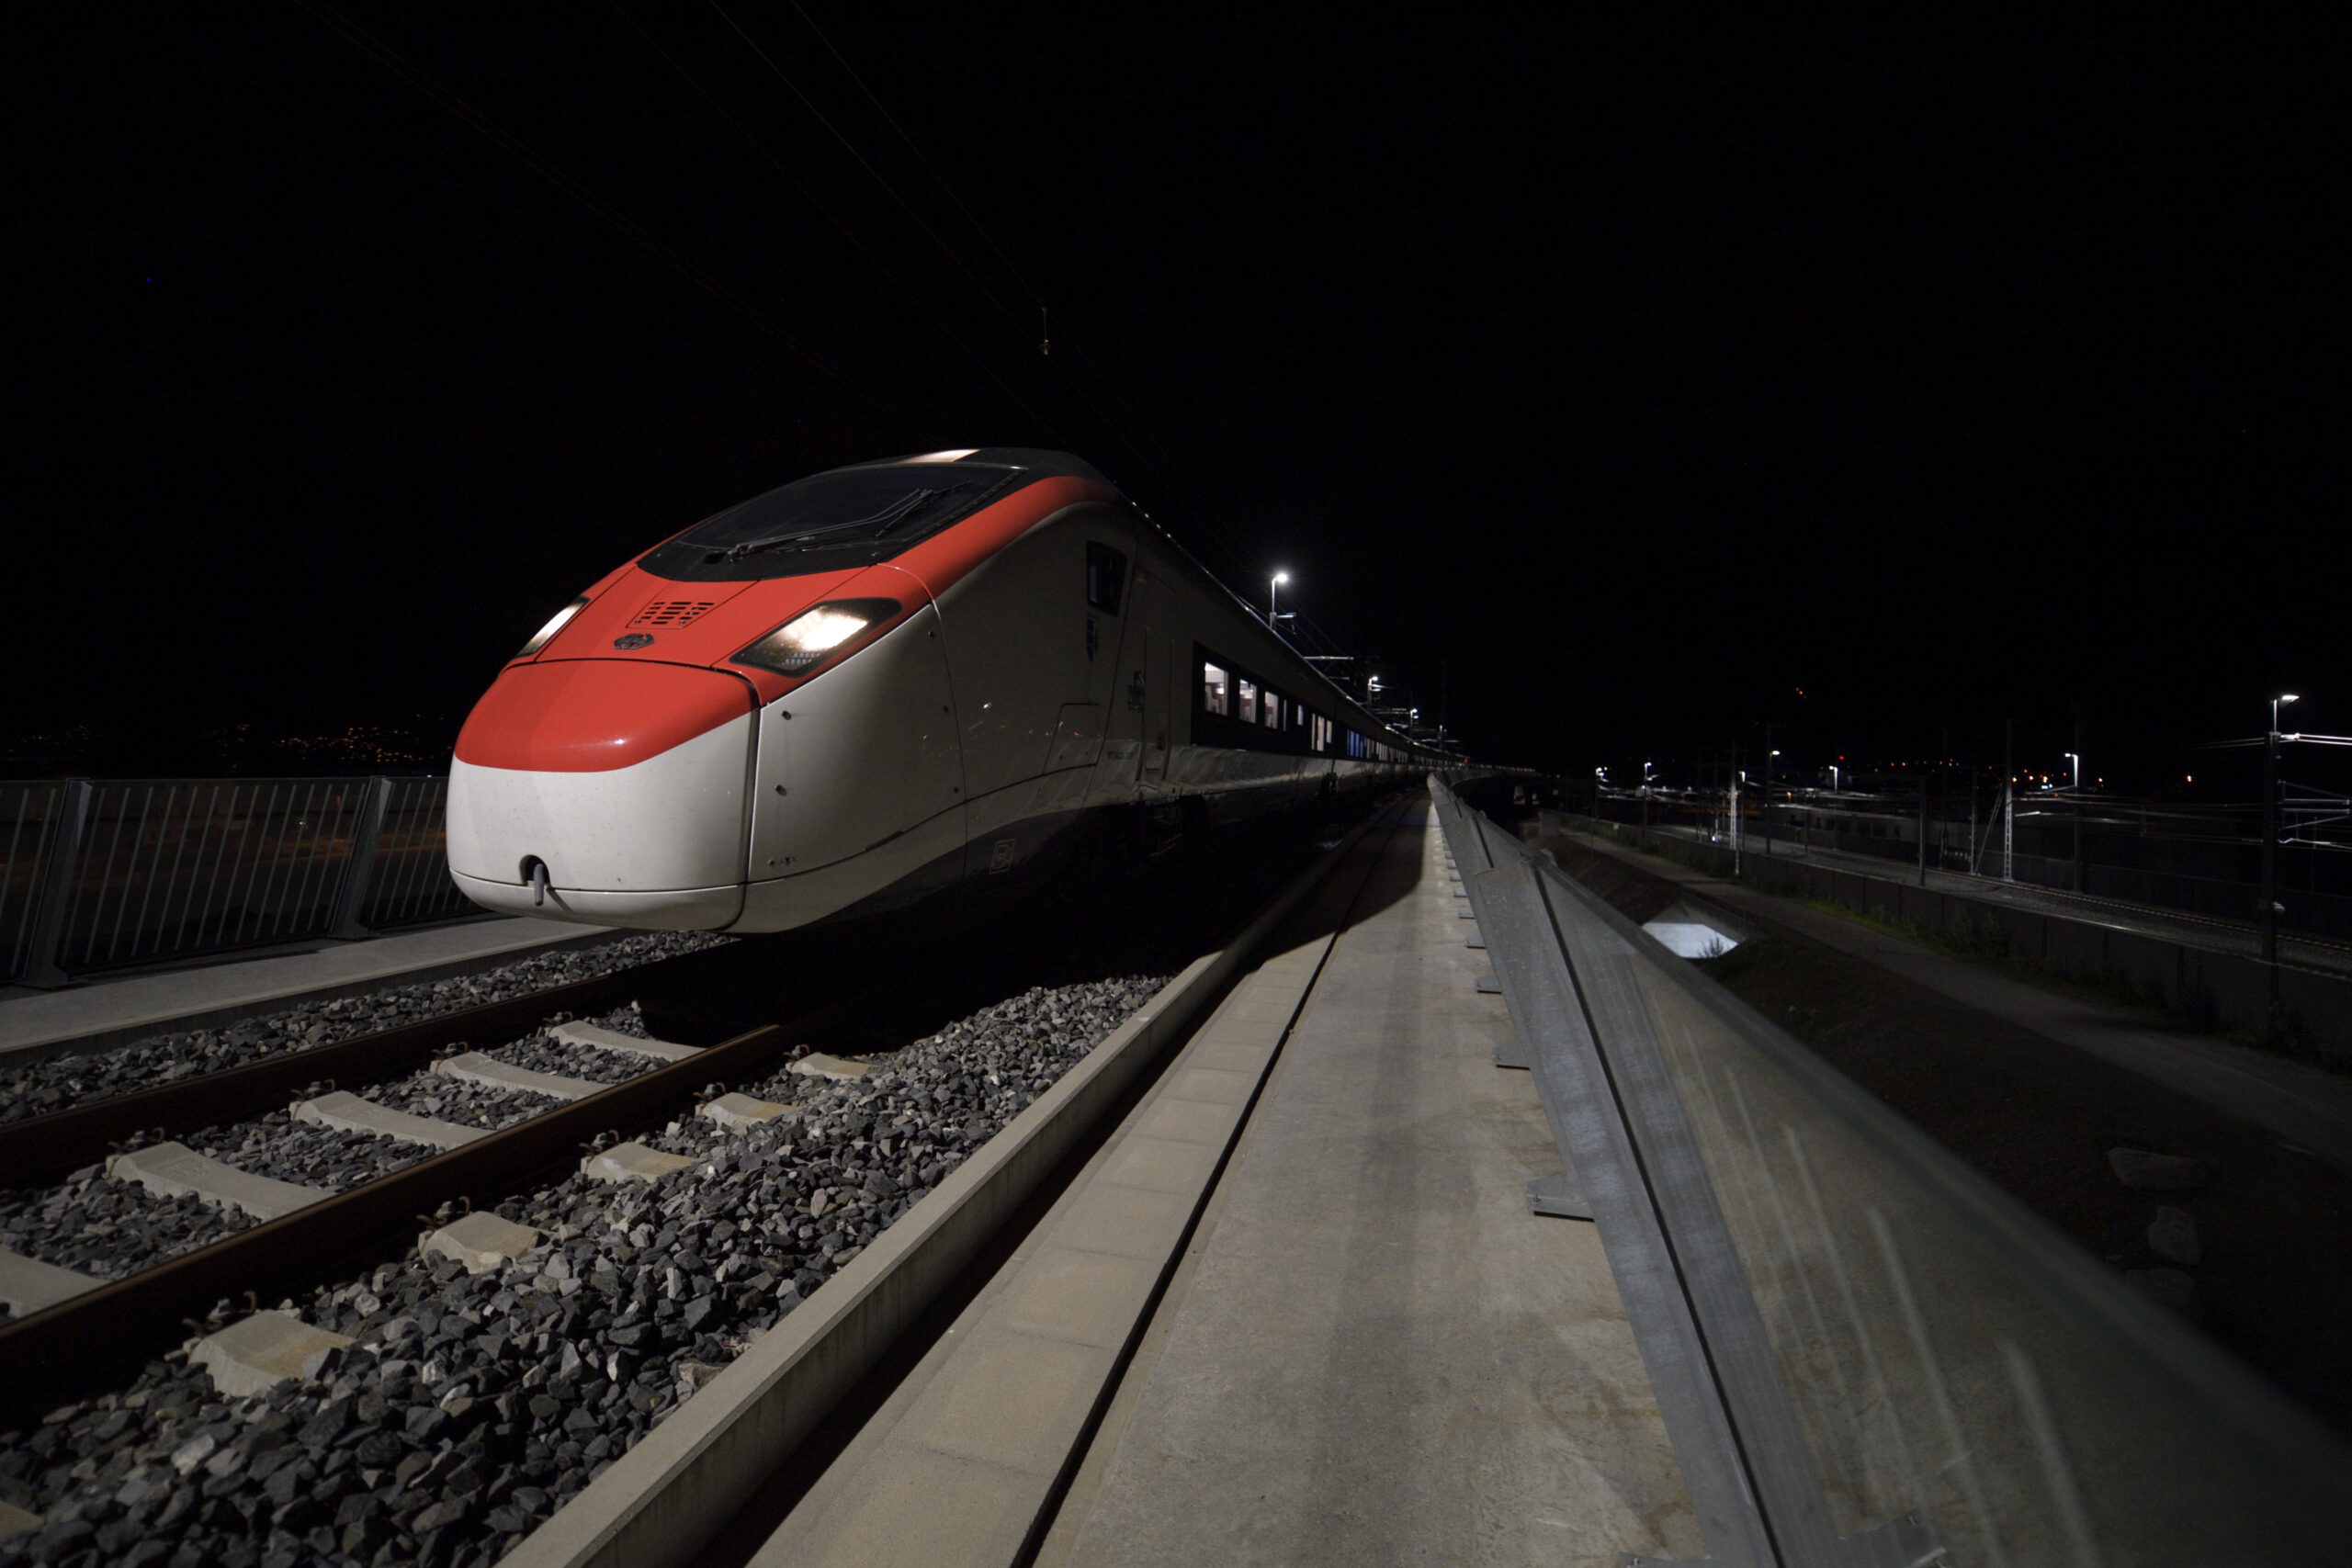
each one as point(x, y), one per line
point(99, 875)
point(1864, 1353)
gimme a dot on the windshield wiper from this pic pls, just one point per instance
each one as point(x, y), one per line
point(899, 511)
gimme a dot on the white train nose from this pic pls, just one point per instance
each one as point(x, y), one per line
point(604, 792)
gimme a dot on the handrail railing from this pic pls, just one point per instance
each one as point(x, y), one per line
point(1864, 1352)
point(98, 875)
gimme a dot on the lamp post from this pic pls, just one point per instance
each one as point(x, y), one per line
point(2075, 804)
point(1768, 755)
point(2270, 846)
point(1274, 589)
point(1923, 828)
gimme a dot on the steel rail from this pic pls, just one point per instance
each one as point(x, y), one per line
point(47, 1146)
point(58, 1352)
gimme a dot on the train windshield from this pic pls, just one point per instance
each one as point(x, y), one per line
point(828, 522)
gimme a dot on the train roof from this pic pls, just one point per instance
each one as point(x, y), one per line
point(1044, 462)
point(1040, 460)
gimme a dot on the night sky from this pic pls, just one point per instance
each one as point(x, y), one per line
point(1626, 387)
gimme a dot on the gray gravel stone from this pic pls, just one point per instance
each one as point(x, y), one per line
point(108, 1230)
point(573, 1061)
point(2170, 1288)
point(471, 1407)
point(130, 1228)
point(35, 1088)
point(2172, 1235)
point(2156, 1172)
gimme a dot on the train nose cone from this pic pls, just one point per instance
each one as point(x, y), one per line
point(623, 780)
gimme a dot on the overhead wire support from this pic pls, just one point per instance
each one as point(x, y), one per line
point(514, 146)
point(1020, 280)
point(935, 236)
point(768, 156)
point(851, 148)
point(1214, 521)
point(937, 178)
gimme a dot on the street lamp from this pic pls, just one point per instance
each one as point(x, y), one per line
point(2075, 790)
point(2076, 757)
point(1272, 590)
point(2270, 845)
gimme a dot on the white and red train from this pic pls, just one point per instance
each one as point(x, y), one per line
point(874, 685)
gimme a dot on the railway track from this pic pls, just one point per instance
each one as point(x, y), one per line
point(648, 1262)
point(48, 1146)
point(93, 1327)
point(294, 1113)
point(49, 1357)
point(2324, 955)
point(55, 1075)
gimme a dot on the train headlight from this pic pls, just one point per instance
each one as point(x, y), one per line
point(803, 642)
point(561, 618)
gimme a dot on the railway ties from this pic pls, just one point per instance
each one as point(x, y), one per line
point(429, 1366)
point(254, 1354)
point(223, 1179)
point(510, 1354)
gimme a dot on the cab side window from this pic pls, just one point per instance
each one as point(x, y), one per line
point(1106, 575)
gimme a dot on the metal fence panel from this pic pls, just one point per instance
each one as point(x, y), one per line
point(2222, 833)
point(164, 869)
point(29, 814)
point(411, 880)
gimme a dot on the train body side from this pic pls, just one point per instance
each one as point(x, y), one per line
point(1022, 697)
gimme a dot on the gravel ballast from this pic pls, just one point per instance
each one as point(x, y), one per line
point(140, 1229)
point(471, 1407)
point(34, 1089)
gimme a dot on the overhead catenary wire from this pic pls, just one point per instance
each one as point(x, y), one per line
point(851, 148)
point(1115, 427)
point(605, 210)
point(937, 178)
point(1210, 515)
point(522, 153)
point(988, 239)
point(767, 155)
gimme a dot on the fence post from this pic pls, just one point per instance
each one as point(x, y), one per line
point(360, 873)
point(59, 882)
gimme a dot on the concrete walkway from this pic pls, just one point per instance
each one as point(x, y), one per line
point(1371, 1352)
point(2304, 1105)
point(114, 1011)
